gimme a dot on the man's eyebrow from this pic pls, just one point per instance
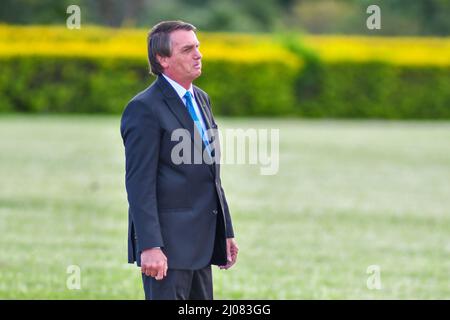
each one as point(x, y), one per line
point(190, 46)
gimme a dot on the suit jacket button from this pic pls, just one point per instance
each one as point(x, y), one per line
point(215, 211)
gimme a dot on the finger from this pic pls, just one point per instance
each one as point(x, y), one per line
point(160, 274)
point(229, 258)
point(230, 264)
point(165, 270)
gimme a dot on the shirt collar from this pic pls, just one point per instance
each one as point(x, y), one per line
point(181, 91)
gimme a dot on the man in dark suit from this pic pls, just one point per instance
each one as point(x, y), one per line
point(179, 221)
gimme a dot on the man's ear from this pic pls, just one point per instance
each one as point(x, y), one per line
point(162, 61)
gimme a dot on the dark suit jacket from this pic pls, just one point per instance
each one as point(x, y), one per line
point(181, 208)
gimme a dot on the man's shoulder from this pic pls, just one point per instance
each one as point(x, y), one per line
point(145, 99)
point(147, 96)
point(142, 107)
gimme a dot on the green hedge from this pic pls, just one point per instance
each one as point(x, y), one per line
point(358, 90)
point(37, 84)
point(85, 85)
point(376, 90)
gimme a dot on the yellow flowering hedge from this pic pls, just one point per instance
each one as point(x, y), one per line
point(54, 69)
point(402, 51)
point(376, 77)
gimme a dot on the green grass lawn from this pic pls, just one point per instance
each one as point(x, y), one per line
point(348, 194)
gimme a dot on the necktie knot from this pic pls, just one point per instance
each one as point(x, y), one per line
point(188, 96)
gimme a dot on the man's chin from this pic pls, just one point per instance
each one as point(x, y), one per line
point(197, 73)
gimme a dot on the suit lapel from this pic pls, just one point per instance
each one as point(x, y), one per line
point(208, 118)
point(179, 110)
point(202, 104)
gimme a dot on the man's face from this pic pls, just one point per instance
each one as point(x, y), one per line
point(184, 65)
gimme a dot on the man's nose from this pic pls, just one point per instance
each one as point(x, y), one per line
point(198, 54)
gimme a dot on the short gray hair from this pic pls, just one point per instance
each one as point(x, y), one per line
point(158, 42)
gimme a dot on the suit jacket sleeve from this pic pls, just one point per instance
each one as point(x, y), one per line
point(141, 135)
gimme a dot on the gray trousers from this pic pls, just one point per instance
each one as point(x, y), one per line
point(180, 285)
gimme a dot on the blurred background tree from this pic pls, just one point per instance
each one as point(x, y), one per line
point(399, 17)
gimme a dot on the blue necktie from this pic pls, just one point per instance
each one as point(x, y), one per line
point(198, 123)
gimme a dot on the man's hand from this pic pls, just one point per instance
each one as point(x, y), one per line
point(232, 252)
point(154, 263)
